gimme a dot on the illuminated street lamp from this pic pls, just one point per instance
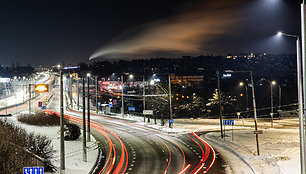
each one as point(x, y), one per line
point(300, 88)
point(279, 95)
point(246, 96)
point(131, 76)
point(271, 88)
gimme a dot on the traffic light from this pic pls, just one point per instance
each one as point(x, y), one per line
point(41, 88)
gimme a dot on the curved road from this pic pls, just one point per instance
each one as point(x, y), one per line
point(134, 148)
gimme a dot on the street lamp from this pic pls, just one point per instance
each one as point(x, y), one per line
point(271, 88)
point(246, 96)
point(279, 95)
point(88, 107)
point(131, 76)
point(300, 89)
point(62, 144)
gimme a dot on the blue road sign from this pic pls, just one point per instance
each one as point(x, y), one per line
point(43, 107)
point(99, 103)
point(228, 122)
point(171, 121)
point(131, 108)
point(33, 170)
point(110, 105)
point(16, 105)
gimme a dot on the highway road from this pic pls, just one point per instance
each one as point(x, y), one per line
point(133, 148)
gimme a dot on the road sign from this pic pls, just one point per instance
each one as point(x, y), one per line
point(258, 132)
point(227, 75)
point(41, 88)
point(171, 121)
point(147, 112)
point(43, 107)
point(111, 105)
point(33, 170)
point(99, 103)
point(131, 108)
point(228, 122)
point(39, 104)
point(16, 105)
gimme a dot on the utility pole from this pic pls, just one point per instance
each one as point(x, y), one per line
point(30, 98)
point(255, 112)
point(122, 100)
point(220, 104)
point(84, 125)
point(70, 89)
point(144, 98)
point(271, 86)
point(97, 107)
point(62, 145)
point(78, 93)
point(88, 110)
point(170, 102)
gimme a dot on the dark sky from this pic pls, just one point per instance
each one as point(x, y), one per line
point(52, 31)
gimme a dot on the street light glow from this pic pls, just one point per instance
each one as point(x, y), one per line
point(273, 82)
point(279, 33)
point(88, 74)
point(241, 84)
point(152, 82)
point(131, 76)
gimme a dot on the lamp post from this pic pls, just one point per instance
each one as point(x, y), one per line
point(62, 144)
point(246, 95)
point(88, 108)
point(122, 100)
point(271, 98)
point(300, 88)
point(96, 85)
point(84, 122)
point(170, 102)
point(144, 98)
point(279, 95)
point(78, 93)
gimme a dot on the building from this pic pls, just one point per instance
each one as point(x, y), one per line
point(187, 80)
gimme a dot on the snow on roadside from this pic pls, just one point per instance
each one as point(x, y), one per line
point(279, 150)
point(73, 149)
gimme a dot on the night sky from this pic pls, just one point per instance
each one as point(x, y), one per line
point(56, 31)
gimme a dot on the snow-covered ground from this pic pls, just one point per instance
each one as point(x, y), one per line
point(73, 149)
point(278, 145)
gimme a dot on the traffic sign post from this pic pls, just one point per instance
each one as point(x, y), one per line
point(171, 121)
point(230, 123)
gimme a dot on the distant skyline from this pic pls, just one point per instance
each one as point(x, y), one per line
point(52, 32)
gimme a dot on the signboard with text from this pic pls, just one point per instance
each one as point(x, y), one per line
point(147, 112)
point(228, 122)
point(131, 108)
